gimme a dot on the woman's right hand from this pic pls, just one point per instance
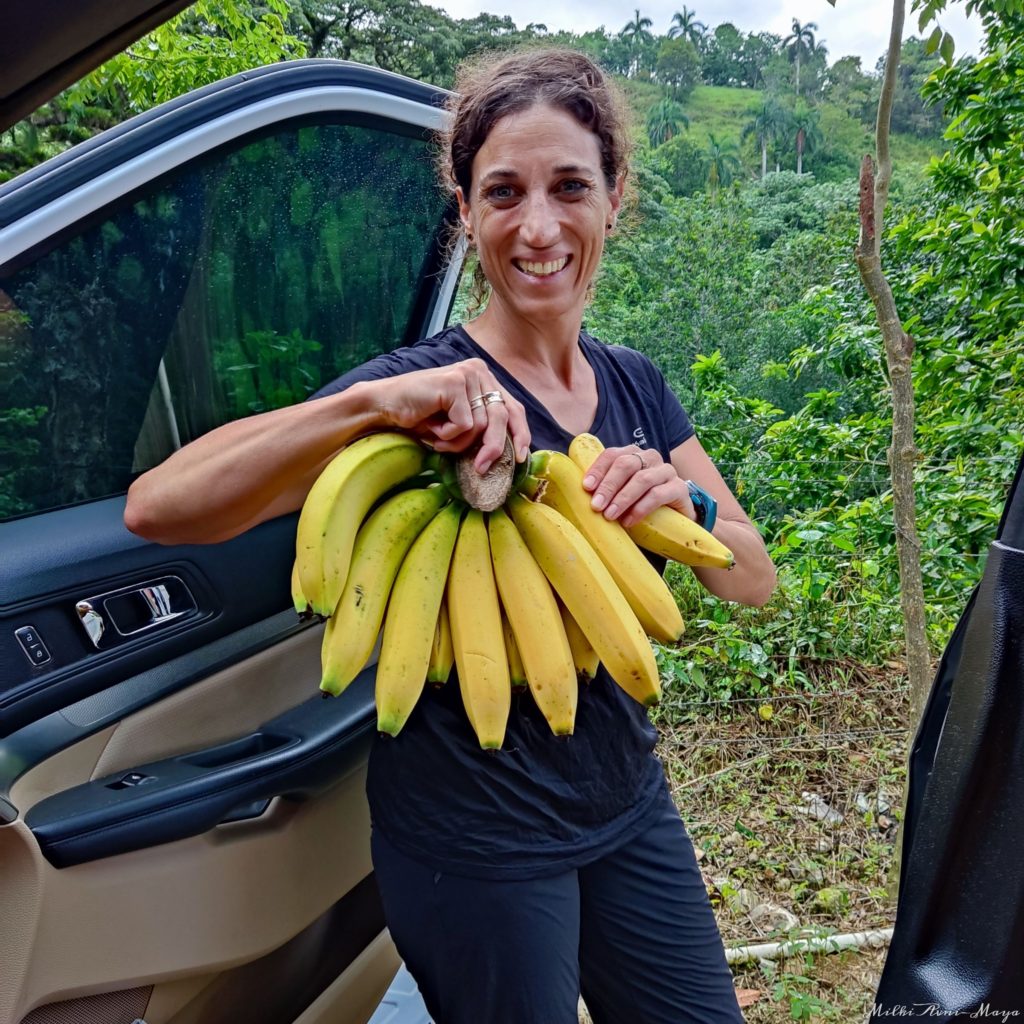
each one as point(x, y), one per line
point(435, 406)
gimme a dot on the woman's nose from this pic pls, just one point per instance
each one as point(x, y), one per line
point(539, 227)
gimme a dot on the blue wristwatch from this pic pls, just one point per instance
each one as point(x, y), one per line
point(704, 505)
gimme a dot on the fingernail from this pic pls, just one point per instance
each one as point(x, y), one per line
point(588, 482)
point(599, 502)
point(483, 467)
point(613, 511)
point(524, 453)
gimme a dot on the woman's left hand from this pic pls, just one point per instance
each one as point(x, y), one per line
point(629, 483)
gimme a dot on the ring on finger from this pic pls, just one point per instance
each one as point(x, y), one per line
point(643, 465)
point(487, 398)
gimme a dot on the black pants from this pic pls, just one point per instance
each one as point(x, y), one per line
point(634, 932)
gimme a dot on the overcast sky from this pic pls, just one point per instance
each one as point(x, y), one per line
point(858, 27)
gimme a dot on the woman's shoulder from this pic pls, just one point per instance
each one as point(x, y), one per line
point(627, 360)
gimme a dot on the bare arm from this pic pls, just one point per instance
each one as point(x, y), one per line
point(254, 469)
point(627, 488)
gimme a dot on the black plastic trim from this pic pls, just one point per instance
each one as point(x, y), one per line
point(91, 159)
point(298, 755)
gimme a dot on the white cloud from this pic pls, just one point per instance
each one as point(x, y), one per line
point(858, 27)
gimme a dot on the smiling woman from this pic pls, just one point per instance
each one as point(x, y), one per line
point(514, 881)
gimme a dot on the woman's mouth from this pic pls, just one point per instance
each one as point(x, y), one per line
point(538, 269)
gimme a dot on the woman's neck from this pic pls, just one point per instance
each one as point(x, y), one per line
point(529, 348)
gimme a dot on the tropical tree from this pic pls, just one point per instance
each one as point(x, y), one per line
point(637, 33)
point(684, 24)
point(678, 66)
point(768, 125)
point(722, 162)
point(804, 122)
point(665, 120)
point(800, 41)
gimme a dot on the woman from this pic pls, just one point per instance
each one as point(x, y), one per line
point(512, 882)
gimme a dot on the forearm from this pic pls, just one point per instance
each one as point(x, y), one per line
point(246, 471)
point(752, 579)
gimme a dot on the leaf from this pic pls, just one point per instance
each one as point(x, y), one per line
point(946, 48)
point(933, 41)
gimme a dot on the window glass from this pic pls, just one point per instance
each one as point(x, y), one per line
point(240, 284)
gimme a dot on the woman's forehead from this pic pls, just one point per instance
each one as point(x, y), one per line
point(538, 138)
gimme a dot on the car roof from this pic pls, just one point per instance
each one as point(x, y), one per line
point(47, 45)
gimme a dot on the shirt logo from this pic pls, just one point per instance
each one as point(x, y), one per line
point(639, 439)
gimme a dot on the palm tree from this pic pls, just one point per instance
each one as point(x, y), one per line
point(722, 162)
point(808, 135)
point(636, 33)
point(685, 24)
point(800, 40)
point(767, 126)
point(664, 121)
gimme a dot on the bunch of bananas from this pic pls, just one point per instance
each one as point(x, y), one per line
point(532, 595)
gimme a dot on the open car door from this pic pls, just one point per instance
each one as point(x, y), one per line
point(959, 928)
point(184, 836)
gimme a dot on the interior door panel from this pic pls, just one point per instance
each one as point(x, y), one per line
point(184, 836)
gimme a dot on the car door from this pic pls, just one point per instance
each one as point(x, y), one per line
point(184, 835)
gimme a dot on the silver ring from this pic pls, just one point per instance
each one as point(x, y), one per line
point(488, 398)
point(643, 465)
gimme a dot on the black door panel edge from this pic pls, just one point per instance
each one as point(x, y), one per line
point(297, 755)
point(39, 740)
point(52, 558)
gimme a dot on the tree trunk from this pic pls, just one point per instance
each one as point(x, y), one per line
point(798, 68)
point(800, 151)
point(764, 156)
point(899, 348)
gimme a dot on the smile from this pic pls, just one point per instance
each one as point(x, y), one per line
point(541, 269)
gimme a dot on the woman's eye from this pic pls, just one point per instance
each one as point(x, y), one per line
point(500, 192)
point(574, 186)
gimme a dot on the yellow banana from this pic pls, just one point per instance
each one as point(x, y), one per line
point(379, 548)
point(516, 669)
point(442, 657)
point(477, 638)
point(338, 502)
point(298, 598)
point(591, 595)
point(411, 620)
point(533, 615)
point(665, 531)
point(641, 584)
point(584, 657)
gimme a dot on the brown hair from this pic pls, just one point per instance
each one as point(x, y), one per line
point(495, 85)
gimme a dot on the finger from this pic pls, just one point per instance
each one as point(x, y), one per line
point(627, 463)
point(493, 442)
point(662, 495)
point(634, 489)
point(518, 428)
point(599, 467)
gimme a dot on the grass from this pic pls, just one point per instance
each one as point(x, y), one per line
point(739, 779)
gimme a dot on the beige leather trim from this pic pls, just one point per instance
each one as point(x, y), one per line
point(178, 910)
point(355, 994)
point(225, 706)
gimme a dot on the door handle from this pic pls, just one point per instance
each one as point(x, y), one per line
point(118, 614)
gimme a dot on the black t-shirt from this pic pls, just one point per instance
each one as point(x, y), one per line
point(542, 804)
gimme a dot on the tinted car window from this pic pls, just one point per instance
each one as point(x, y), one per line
point(236, 285)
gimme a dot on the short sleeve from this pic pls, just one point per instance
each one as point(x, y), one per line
point(678, 427)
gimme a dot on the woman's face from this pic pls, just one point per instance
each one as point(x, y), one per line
point(538, 211)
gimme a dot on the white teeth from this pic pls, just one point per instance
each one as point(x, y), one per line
point(542, 269)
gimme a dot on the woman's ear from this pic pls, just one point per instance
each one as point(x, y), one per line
point(615, 196)
point(464, 212)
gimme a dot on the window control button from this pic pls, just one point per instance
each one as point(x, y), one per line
point(32, 644)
